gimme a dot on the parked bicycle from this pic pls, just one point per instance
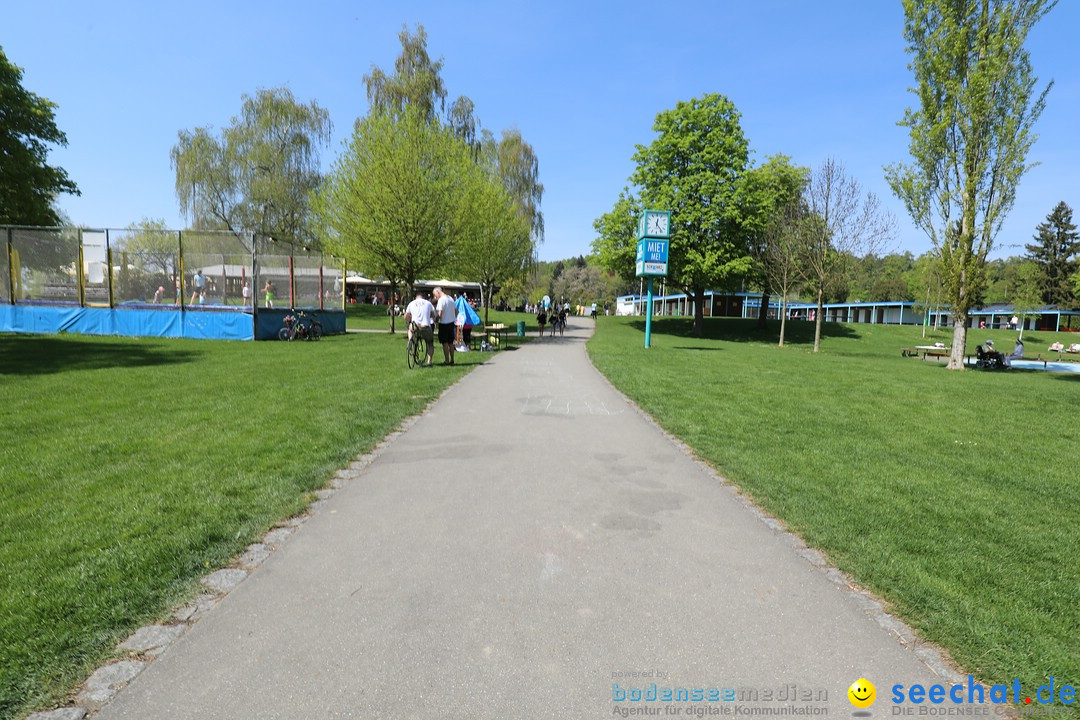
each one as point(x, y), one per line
point(300, 326)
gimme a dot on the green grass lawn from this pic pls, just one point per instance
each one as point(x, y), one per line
point(954, 496)
point(131, 467)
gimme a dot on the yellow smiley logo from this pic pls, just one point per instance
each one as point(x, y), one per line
point(862, 693)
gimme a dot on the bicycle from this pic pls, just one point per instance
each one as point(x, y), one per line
point(417, 347)
point(300, 326)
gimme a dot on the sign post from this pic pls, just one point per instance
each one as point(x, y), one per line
point(654, 230)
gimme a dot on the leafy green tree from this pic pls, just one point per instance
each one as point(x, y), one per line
point(1029, 292)
point(878, 279)
point(28, 184)
point(1054, 253)
point(1002, 281)
point(493, 239)
point(581, 286)
point(844, 223)
point(155, 246)
point(694, 168)
point(393, 199)
point(259, 174)
point(970, 135)
point(767, 194)
point(615, 245)
point(416, 89)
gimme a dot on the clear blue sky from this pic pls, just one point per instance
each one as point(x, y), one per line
point(582, 81)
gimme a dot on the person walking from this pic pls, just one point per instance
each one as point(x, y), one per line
point(541, 320)
point(198, 289)
point(421, 317)
point(269, 290)
point(446, 312)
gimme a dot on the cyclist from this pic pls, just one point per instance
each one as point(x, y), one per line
point(420, 314)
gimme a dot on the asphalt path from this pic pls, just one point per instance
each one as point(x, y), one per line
point(532, 547)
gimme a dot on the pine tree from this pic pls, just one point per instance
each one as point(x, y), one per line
point(1055, 250)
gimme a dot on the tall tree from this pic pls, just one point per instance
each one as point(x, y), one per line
point(783, 250)
point(767, 196)
point(581, 286)
point(416, 82)
point(258, 175)
point(970, 135)
point(28, 184)
point(393, 196)
point(1054, 253)
point(152, 245)
point(693, 168)
point(844, 223)
point(515, 163)
point(615, 245)
point(493, 242)
point(1029, 294)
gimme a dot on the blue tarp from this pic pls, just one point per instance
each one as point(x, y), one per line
point(471, 318)
point(52, 319)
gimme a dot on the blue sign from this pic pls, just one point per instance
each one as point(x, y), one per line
point(652, 257)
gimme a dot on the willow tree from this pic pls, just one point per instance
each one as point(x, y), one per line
point(392, 199)
point(416, 82)
point(970, 134)
point(259, 173)
point(514, 162)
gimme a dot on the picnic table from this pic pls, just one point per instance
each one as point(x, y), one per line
point(498, 332)
point(924, 351)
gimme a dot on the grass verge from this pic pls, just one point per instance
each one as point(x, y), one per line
point(131, 467)
point(953, 496)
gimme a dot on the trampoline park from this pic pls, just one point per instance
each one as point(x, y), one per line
point(163, 283)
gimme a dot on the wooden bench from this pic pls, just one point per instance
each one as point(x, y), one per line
point(924, 353)
point(476, 339)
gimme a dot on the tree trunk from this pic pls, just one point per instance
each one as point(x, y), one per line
point(763, 316)
point(699, 311)
point(783, 318)
point(486, 301)
point(817, 320)
point(959, 342)
point(390, 302)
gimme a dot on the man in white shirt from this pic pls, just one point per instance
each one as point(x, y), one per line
point(421, 316)
point(447, 312)
point(198, 288)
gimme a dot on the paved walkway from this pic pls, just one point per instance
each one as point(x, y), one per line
point(526, 545)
